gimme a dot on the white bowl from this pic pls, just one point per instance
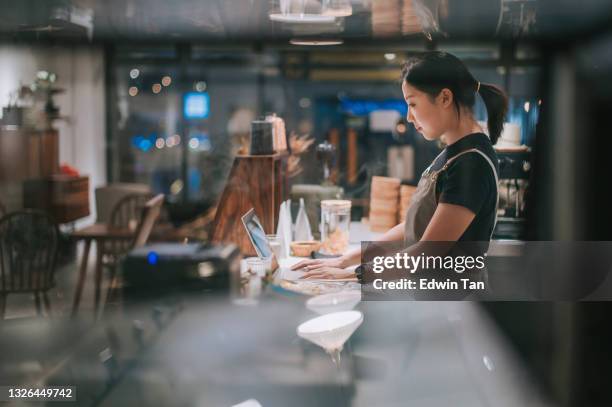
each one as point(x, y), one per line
point(334, 302)
point(331, 331)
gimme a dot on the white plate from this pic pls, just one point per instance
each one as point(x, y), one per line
point(302, 18)
point(334, 302)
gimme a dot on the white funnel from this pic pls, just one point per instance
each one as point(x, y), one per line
point(331, 331)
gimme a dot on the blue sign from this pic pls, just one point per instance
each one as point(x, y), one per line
point(196, 105)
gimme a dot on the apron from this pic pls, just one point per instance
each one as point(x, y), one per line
point(422, 207)
point(424, 200)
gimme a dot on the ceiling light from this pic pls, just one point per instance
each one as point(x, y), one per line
point(390, 56)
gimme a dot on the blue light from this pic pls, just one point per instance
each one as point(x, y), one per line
point(152, 258)
point(136, 141)
point(196, 105)
point(145, 145)
point(363, 107)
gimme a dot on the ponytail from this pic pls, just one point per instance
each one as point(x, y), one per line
point(496, 103)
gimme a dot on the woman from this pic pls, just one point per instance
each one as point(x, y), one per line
point(456, 198)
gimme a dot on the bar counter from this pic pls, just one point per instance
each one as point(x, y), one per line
point(211, 350)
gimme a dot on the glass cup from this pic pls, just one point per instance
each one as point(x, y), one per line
point(258, 266)
point(275, 245)
point(335, 224)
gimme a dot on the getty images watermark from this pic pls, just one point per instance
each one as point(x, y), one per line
point(413, 264)
point(484, 271)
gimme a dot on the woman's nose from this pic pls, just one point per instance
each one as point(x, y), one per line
point(410, 117)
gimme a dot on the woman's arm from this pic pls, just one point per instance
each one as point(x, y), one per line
point(448, 223)
point(354, 256)
point(351, 257)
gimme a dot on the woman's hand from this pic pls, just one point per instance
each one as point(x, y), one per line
point(328, 273)
point(315, 264)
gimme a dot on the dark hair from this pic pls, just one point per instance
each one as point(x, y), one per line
point(431, 72)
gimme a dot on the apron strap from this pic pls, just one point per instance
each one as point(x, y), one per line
point(486, 157)
point(428, 169)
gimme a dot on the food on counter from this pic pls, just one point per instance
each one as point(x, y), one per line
point(335, 223)
point(336, 242)
point(312, 287)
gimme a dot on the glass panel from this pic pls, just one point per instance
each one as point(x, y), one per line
point(148, 128)
point(177, 128)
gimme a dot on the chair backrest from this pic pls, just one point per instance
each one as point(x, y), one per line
point(108, 196)
point(127, 213)
point(150, 214)
point(28, 251)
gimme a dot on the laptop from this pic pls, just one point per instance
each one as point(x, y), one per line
point(257, 236)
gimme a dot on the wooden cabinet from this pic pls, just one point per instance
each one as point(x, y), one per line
point(29, 167)
point(27, 154)
point(65, 198)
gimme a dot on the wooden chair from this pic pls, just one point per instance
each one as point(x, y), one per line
point(28, 251)
point(126, 214)
point(149, 214)
point(108, 196)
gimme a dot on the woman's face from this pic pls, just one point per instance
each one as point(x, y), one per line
point(429, 117)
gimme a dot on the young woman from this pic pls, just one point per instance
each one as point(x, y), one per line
point(456, 198)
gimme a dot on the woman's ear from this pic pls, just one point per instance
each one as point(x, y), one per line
point(446, 97)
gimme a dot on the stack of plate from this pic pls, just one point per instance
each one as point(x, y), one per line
point(406, 192)
point(384, 197)
point(410, 21)
point(386, 18)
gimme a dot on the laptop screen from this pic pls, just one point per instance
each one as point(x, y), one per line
point(256, 234)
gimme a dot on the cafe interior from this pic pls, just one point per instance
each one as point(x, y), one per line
point(154, 154)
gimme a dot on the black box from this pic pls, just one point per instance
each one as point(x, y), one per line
point(157, 269)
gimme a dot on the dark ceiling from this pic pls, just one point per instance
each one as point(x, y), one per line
point(248, 20)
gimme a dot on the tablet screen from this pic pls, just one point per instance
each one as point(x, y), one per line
point(256, 234)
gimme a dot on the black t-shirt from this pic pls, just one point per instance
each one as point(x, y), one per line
point(469, 182)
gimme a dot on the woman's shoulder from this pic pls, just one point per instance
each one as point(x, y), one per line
point(474, 164)
point(478, 156)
